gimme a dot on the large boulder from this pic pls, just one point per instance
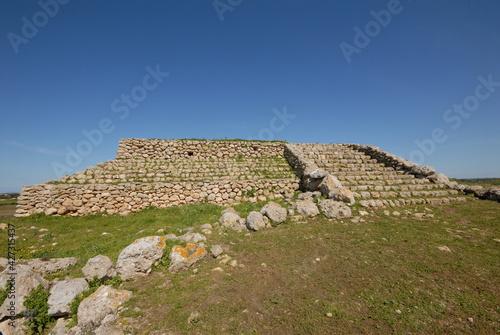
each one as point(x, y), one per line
point(328, 185)
point(183, 257)
point(439, 178)
point(255, 221)
point(333, 209)
point(135, 260)
point(419, 170)
point(230, 220)
point(99, 266)
point(306, 208)
point(96, 307)
point(343, 195)
point(475, 189)
point(16, 328)
point(274, 211)
point(25, 281)
point(492, 194)
point(63, 293)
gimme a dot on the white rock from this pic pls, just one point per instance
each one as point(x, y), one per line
point(306, 208)
point(255, 221)
point(100, 266)
point(216, 250)
point(135, 260)
point(63, 293)
point(184, 257)
point(274, 212)
point(333, 209)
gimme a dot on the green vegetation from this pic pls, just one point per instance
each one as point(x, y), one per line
point(37, 309)
point(485, 182)
point(385, 274)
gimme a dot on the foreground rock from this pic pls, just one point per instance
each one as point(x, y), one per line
point(135, 261)
point(306, 208)
point(183, 257)
point(255, 221)
point(99, 266)
point(104, 302)
point(25, 281)
point(329, 185)
point(192, 238)
point(334, 210)
point(439, 178)
point(343, 195)
point(63, 293)
point(274, 211)
point(19, 327)
point(44, 267)
point(230, 220)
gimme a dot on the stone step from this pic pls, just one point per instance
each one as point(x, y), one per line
point(404, 194)
point(397, 188)
point(381, 203)
point(372, 175)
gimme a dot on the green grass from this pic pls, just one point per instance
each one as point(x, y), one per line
point(384, 275)
point(485, 182)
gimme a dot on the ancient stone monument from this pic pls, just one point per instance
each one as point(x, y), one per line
point(163, 173)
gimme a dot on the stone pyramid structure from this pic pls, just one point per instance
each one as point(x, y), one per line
point(164, 173)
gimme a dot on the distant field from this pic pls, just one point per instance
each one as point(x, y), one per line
point(7, 208)
point(485, 182)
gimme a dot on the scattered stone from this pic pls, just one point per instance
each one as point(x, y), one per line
point(193, 317)
point(398, 311)
point(274, 211)
point(471, 320)
point(171, 237)
point(104, 233)
point(19, 328)
point(192, 238)
point(330, 315)
point(230, 220)
point(255, 221)
point(205, 226)
point(333, 209)
point(99, 266)
point(217, 269)
point(328, 185)
point(444, 248)
point(94, 309)
point(43, 230)
point(60, 327)
point(183, 257)
point(418, 215)
point(344, 195)
point(50, 211)
point(225, 259)
point(63, 293)
point(396, 213)
point(233, 263)
point(386, 212)
point(306, 208)
point(229, 210)
point(363, 213)
point(161, 230)
point(52, 265)
point(26, 280)
point(3, 226)
point(291, 212)
point(216, 250)
point(135, 260)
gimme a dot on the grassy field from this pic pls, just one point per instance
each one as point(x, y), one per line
point(485, 182)
point(384, 275)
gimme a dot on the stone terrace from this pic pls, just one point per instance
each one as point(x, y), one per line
point(374, 184)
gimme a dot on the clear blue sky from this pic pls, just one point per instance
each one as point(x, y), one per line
point(76, 66)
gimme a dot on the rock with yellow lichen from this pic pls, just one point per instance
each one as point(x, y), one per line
point(183, 257)
point(135, 260)
point(100, 306)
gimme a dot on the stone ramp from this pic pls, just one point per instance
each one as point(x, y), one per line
point(373, 183)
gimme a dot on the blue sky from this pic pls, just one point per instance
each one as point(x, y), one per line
point(386, 73)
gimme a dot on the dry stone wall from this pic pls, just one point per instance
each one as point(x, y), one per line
point(164, 173)
point(196, 149)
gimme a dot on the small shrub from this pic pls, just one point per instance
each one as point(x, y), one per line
point(251, 193)
point(37, 309)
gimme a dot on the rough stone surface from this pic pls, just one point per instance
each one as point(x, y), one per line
point(96, 307)
point(52, 265)
point(26, 280)
point(100, 266)
point(60, 327)
point(439, 178)
point(216, 250)
point(422, 170)
point(18, 329)
point(192, 238)
point(255, 221)
point(306, 208)
point(183, 257)
point(63, 293)
point(333, 209)
point(229, 220)
point(328, 185)
point(343, 195)
point(274, 211)
point(135, 260)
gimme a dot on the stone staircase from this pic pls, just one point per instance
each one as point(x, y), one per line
point(374, 184)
